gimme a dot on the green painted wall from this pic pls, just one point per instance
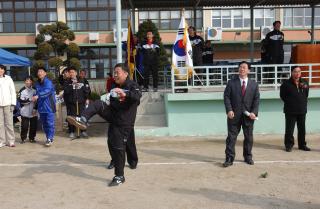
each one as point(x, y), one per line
point(201, 114)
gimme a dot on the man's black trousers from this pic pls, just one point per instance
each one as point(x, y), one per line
point(120, 139)
point(28, 124)
point(233, 132)
point(150, 69)
point(291, 120)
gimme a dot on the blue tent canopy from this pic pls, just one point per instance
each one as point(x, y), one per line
point(8, 58)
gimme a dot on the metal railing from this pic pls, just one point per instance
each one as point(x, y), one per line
point(218, 76)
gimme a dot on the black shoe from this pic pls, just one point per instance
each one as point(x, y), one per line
point(32, 140)
point(79, 122)
point(228, 162)
point(116, 181)
point(305, 148)
point(111, 165)
point(133, 166)
point(249, 161)
point(288, 149)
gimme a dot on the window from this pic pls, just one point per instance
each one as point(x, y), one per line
point(98, 61)
point(20, 16)
point(93, 15)
point(300, 17)
point(170, 20)
point(240, 18)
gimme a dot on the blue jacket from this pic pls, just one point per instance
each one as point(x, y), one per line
point(46, 93)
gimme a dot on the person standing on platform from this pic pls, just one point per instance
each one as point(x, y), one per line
point(294, 93)
point(120, 111)
point(46, 101)
point(7, 103)
point(151, 52)
point(241, 100)
point(28, 111)
point(197, 43)
point(76, 93)
point(207, 54)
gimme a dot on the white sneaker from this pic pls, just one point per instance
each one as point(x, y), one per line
point(71, 135)
point(48, 143)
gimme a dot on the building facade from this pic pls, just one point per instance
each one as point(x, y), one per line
point(18, 19)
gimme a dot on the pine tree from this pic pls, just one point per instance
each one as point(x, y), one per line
point(54, 44)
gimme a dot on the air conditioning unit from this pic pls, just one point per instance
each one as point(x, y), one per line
point(39, 26)
point(93, 37)
point(214, 34)
point(124, 34)
point(264, 30)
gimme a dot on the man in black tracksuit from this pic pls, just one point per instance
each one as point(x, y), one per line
point(150, 51)
point(294, 93)
point(120, 111)
point(197, 46)
point(75, 96)
point(274, 53)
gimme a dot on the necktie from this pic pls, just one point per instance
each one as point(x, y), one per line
point(243, 88)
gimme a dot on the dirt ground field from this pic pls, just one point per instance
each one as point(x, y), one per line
point(173, 173)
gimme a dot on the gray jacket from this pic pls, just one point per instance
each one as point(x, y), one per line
point(25, 98)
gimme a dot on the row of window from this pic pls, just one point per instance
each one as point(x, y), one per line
point(100, 15)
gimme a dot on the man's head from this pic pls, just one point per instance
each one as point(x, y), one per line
point(296, 72)
point(28, 81)
point(244, 69)
point(82, 74)
point(2, 70)
point(150, 35)
point(65, 73)
point(276, 25)
point(192, 31)
point(208, 43)
point(41, 73)
point(135, 39)
point(73, 73)
point(121, 73)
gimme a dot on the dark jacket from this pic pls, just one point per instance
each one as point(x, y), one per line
point(197, 49)
point(295, 98)
point(75, 93)
point(150, 53)
point(274, 47)
point(124, 113)
point(234, 101)
point(207, 55)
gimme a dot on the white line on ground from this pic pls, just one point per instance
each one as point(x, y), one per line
point(157, 163)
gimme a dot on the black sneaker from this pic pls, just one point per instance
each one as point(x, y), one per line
point(79, 122)
point(305, 148)
point(116, 181)
point(111, 165)
point(32, 140)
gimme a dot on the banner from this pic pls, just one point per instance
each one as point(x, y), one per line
point(182, 53)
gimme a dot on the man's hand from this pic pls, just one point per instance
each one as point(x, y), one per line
point(252, 116)
point(12, 108)
point(230, 114)
point(122, 95)
point(34, 98)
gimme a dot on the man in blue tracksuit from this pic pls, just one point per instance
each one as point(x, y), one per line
point(46, 104)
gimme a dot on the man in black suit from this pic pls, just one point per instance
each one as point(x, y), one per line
point(294, 93)
point(241, 100)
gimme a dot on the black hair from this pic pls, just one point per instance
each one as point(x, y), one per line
point(294, 67)
point(72, 68)
point(29, 77)
point(193, 28)
point(245, 62)
point(123, 66)
point(82, 70)
point(42, 68)
point(3, 67)
point(275, 22)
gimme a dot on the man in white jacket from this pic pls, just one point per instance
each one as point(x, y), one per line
point(7, 102)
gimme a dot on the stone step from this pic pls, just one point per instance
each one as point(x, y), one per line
point(151, 120)
point(151, 108)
